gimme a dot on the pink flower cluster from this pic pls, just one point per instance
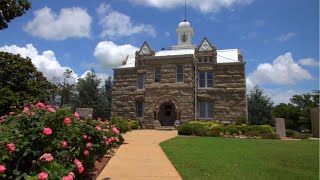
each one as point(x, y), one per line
point(109, 140)
point(79, 165)
point(47, 131)
point(69, 177)
point(2, 168)
point(46, 157)
point(43, 176)
point(115, 130)
point(11, 147)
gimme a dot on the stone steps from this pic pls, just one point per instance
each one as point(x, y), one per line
point(166, 128)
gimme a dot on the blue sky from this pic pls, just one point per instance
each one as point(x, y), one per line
point(279, 39)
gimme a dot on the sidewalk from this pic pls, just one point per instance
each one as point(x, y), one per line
point(141, 157)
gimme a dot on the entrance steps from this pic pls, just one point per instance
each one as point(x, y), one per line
point(166, 128)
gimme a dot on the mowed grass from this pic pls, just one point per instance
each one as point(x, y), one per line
point(230, 158)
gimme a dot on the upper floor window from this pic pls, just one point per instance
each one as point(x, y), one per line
point(157, 74)
point(205, 59)
point(205, 109)
point(179, 73)
point(141, 81)
point(139, 109)
point(205, 79)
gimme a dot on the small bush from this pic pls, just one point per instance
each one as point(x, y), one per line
point(232, 130)
point(185, 129)
point(241, 120)
point(296, 134)
point(216, 131)
point(133, 124)
point(269, 136)
point(121, 123)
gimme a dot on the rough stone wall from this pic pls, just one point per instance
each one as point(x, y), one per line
point(228, 92)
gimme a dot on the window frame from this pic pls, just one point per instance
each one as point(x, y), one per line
point(139, 109)
point(206, 79)
point(208, 109)
point(181, 73)
point(143, 81)
point(155, 75)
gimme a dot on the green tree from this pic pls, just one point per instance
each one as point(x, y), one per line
point(290, 113)
point(10, 9)
point(66, 88)
point(259, 107)
point(20, 82)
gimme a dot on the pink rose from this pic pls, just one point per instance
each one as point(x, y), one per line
point(88, 144)
point(11, 113)
point(79, 165)
point(32, 113)
point(86, 152)
point(98, 128)
point(106, 130)
point(85, 137)
point(67, 120)
point(40, 105)
point(47, 131)
point(115, 130)
point(43, 176)
point(69, 177)
point(64, 144)
point(80, 169)
point(117, 139)
point(76, 115)
point(89, 137)
point(46, 157)
point(51, 109)
point(2, 168)
point(11, 147)
point(25, 110)
point(19, 116)
point(107, 142)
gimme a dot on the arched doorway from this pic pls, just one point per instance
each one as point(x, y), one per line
point(167, 114)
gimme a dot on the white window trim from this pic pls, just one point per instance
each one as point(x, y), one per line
point(206, 80)
point(154, 74)
point(206, 110)
point(180, 73)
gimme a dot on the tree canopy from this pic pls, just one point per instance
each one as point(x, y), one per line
point(10, 9)
point(259, 107)
point(20, 82)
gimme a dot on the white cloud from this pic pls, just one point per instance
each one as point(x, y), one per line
point(309, 62)
point(286, 37)
point(282, 95)
point(46, 62)
point(283, 70)
point(111, 55)
point(101, 76)
point(116, 24)
point(71, 22)
point(205, 6)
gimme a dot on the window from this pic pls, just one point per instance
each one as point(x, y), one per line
point(141, 80)
point(205, 109)
point(157, 74)
point(179, 73)
point(205, 79)
point(139, 108)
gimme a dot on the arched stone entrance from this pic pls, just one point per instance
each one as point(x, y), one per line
point(166, 111)
point(167, 114)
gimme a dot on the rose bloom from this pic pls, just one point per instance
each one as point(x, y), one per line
point(69, 177)
point(25, 110)
point(51, 110)
point(67, 120)
point(47, 131)
point(2, 168)
point(11, 147)
point(85, 137)
point(114, 129)
point(40, 105)
point(43, 176)
point(46, 157)
point(98, 128)
point(64, 144)
point(88, 144)
point(11, 113)
point(86, 152)
point(117, 139)
point(107, 142)
point(76, 115)
point(79, 165)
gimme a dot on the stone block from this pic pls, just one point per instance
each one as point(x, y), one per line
point(84, 112)
point(315, 121)
point(280, 127)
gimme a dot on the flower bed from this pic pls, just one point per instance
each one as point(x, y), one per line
point(43, 143)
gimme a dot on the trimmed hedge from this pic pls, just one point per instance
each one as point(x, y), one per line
point(134, 124)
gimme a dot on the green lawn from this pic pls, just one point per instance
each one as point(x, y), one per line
point(229, 158)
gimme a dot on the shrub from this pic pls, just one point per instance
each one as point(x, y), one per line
point(216, 131)
point(133, 124)
point(270, 135)
point(232, 130)
point(241, 120)
point(121, 123)
point(42, 139)
point(296, 134)
point(185, 129)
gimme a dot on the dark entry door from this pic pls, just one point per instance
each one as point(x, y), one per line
point(167, 114)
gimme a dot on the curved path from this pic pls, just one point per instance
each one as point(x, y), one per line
point(141, 157)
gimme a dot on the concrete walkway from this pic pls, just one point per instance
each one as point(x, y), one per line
point(141, 157)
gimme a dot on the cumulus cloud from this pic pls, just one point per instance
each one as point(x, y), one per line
point(286, 37)
point(46, 62)
point(102, 76)
point(111, 55)
point(282, 95)
point(116, 24)
point(204, 6)
point(70, 22)
point(309, 62)
point(283, 70)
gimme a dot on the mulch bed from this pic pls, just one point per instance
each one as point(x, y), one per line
point(99, 167)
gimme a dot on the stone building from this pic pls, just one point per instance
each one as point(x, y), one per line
point(185, 83)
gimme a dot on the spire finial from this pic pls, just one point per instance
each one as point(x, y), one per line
point(185, 10)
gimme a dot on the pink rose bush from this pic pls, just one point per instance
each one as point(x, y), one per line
point(53, 140)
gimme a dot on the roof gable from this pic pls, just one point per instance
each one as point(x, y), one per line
point(205, 45)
